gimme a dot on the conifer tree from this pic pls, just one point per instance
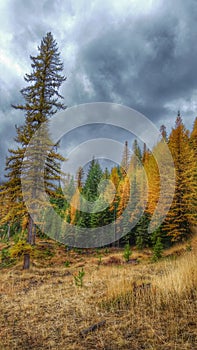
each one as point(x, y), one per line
point(137, 197)
point(182, 213)
point(153, 177)
point(193, 137)
point(193, 143)
point(94, 176)
point(115, 178)
point(137, 151)
point(42, 100)
point(125, 159)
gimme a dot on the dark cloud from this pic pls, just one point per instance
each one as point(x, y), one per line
point(133, 53)
point(143, 63)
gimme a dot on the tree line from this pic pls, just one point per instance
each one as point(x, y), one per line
point(137, 189)
point(132, 199)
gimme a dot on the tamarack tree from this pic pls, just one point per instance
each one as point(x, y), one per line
point(42, 101)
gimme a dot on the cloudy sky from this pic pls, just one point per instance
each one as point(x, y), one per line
point(139, 53)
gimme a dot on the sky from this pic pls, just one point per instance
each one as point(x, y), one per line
point(139, 53)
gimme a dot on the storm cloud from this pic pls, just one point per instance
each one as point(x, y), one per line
point(141, 54)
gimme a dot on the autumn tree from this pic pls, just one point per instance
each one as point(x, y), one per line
point(193, 137)
point(42, 100)
point(182, 213)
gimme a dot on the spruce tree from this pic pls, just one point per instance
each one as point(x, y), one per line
point(94, 176)
point(42, 100)
point(182, 213)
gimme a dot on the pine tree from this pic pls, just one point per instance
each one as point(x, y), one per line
point(125, 159)
point(153, 177)
point(115, 177)
point(100, 216)
point(157, 249)
point(137, 198)
point(137, 151)
point(94, 176)
point(142, 236)
point(193, 137)
point(42, 100)
point(182, 213)
point(193, 144)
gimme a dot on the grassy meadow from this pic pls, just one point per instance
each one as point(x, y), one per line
point(140, 304)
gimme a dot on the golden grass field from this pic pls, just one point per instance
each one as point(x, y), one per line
point(151, 306)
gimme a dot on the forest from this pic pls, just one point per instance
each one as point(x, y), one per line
point(136, 180)
point(63, 283)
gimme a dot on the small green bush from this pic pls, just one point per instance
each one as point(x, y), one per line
point(127, 252)
point(6, 259)
point(67, 263)
point(79, 278)
point(157, 250)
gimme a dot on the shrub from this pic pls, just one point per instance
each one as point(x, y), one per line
point(79, 278)
point(6, 259)
point(127, 252)
point(20, 248)
point(67, 263)
point(157, 250)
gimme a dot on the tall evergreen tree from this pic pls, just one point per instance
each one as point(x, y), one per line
point(193, 144)
point(94, 176)
point(193, 137)
point(182, 213)
point(42, 100)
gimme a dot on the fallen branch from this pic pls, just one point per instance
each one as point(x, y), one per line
point(92, 328)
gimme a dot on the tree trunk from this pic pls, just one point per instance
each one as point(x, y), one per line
point(30, 240)
point(31, 232)
point(8, 232)
point(30, 227)
point(26, 263)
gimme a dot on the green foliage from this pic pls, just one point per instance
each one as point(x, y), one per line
point(67, 263)
point(99, 259)
point(77, 250)
point(157, 249)
point(6, 259)
point(43, 251)
point(19, 236)
point(139, 243)
point(106, 251)
point(127, 252)
point(79, 278)
point(90, 190)
point(136, 150)
point(5, 254)
point(183, 211)
point(142, 236)
point(3, 233)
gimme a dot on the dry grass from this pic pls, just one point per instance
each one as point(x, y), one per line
point(147, 306)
